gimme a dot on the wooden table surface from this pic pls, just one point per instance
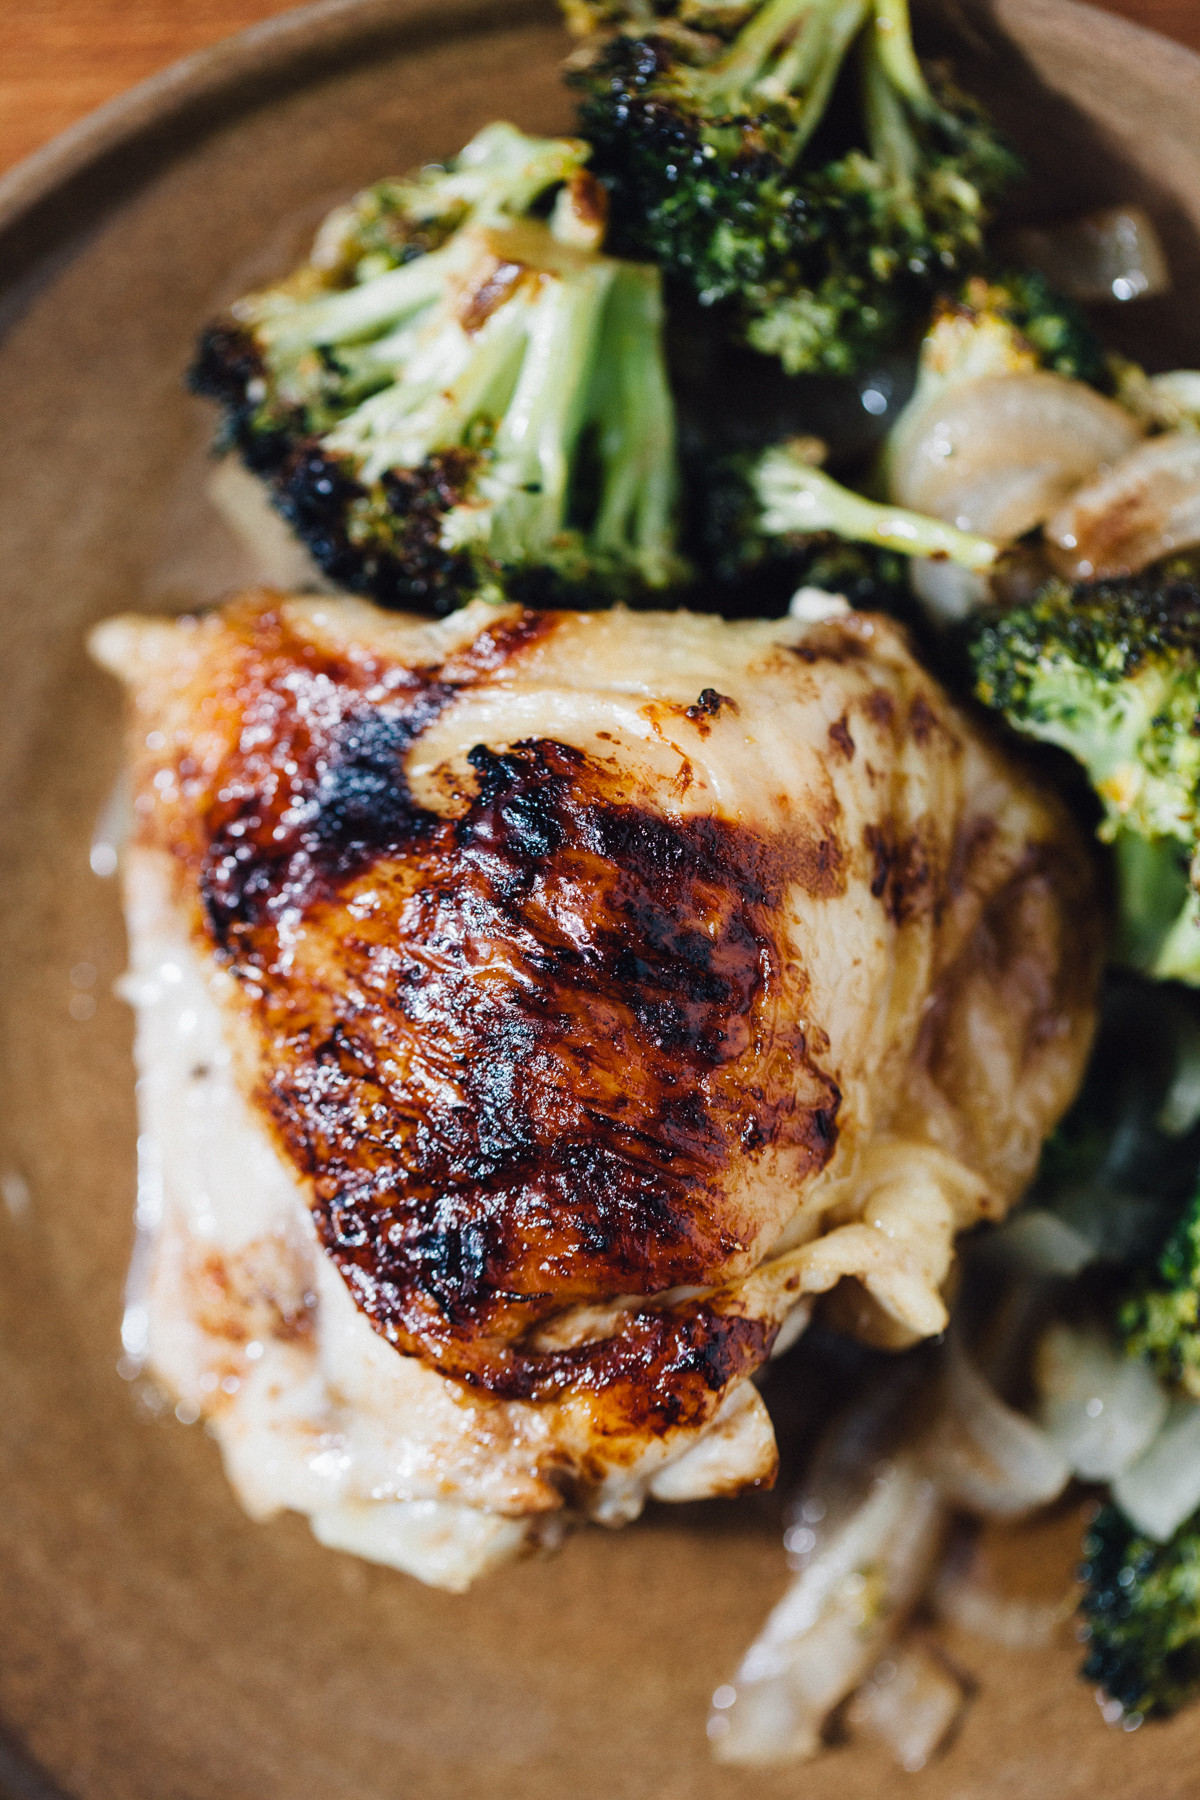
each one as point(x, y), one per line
point(61, 58)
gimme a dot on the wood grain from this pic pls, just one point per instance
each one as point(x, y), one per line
point(62, 58)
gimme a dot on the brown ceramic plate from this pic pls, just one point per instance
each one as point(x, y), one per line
point(154, 1642)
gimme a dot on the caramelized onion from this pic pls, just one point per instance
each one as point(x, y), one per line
point(853, 1591)
point(1099, 1407)
point(912, 1701)
point(986, 1457)
point(1112, 254)
point(1000, 454)
point(1126, 517)
point(1162, 1489)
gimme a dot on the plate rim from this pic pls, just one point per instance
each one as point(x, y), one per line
point(68, 185)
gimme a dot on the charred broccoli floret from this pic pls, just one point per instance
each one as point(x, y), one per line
point(1055, 328)
point(1110, 671)
point(1004, 323)
point(1161, 1321)
point(456, 398)
point(823, 231)
point(1141, 1611)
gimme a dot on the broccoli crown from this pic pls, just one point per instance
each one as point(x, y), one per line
point(1056, 330)
point(1141, 1613)
point(822, 236)
point(1110, 671)
point(1161, 1321)
point(489, 416)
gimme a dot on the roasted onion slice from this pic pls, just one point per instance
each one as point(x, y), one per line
point(1126, 517)
point(1000, 454)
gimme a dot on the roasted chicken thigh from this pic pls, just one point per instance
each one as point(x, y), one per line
point(537, 1010)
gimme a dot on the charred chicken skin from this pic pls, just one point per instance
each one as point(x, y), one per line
point(601, 987)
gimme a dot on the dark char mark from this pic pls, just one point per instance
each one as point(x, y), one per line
point(707, 708)
point(903, 876)
point(355, 807)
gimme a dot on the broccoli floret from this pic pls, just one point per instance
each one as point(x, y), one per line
point(457, 398)
point(1055, 328)
point(996, 325)
point(1141, 1612)
point(753, 572)
point(797, 497)
point(498, 176)
point(1161, 1321)
point(1110, 671)
point(772, 523)
point(823, 231)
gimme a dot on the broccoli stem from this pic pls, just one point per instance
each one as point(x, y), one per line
point(888, 133)
point(790, 49)
point(1153, 903)
point(454, 379)
point(1178, 957)
point(796, 497)
point(636, 421)
point(894, 89)
point(889, 49)
point(892, 48)
point(730, 80)
point(533, 449)
point(360, 312)
point(841, 28)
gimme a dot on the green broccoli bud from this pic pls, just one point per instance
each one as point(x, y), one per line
point(1161, 1321)
point(488, 417)
point(1109, 671)
point(1055, 328)
point(1141, 1614)
point(495, 178)
point(712, 148)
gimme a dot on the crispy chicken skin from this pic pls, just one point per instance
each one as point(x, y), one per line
point(600, 987)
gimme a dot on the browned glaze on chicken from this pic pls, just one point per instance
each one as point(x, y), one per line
point(518, 1077)
point(576, 1017)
